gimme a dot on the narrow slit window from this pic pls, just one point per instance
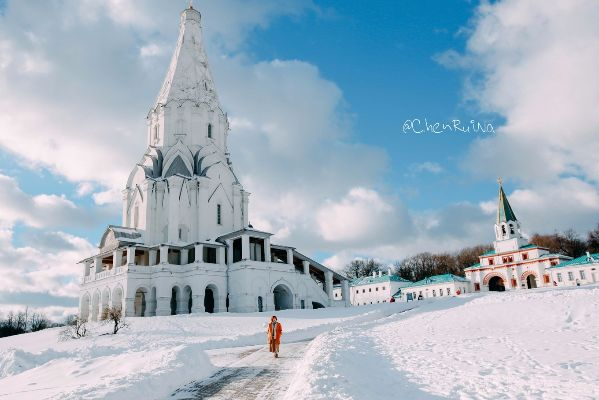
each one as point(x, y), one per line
point(210, 131)
point(218, 214)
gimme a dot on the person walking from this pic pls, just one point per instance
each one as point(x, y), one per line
point(274, 332)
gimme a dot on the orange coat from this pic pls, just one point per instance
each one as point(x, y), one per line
point(278, 333)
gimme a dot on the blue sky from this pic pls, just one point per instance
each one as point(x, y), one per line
point(338, 79)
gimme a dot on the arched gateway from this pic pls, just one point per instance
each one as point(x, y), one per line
point(283, 297)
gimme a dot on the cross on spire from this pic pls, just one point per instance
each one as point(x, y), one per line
point(500, 181)
point(191, 4)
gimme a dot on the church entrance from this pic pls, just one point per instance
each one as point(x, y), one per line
point(496, 284)
point(531, 282)
point(175, 295)
point(209, 300)
point(140, 303)
point(283, 298)
point(260, 305)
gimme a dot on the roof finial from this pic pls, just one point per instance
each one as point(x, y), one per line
point(191, 4)
point(500, 181)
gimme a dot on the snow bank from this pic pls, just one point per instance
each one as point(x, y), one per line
point(152, 357)
point(538, 344)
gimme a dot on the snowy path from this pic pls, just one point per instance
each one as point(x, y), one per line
point(247, 373)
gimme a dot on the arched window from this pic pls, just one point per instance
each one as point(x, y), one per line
point(210, 131)
point(503, 230)
point(511, 229)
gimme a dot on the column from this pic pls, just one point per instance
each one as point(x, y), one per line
point(220, 255)
point(130, 307)
point(267, 255)
point(270, 302)
point(87, 265)
point(306, 265)
point(117, 258)
point(229, 251)
point(131, 255)
point(199, 255)
point(290, 256)
point(153, 257)
point(98, 264)
point(163, 306)
point(164, 255)
point(182, 305)
point(245, 247)
point(221, 306)
point(328, 279)
point(345, 292)
point(184, 256)
point(197, 303)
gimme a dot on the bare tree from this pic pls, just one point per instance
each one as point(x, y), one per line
point(361, 268)
point(38, 322)
point(75, 328)
point(593, 240)
point(115, 315)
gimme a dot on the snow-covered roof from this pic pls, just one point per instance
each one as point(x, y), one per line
point(587, 259)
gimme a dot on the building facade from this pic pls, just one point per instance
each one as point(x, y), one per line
point(434, 286)
point(579, 271)
point(513, 263)
point(375, 289)
point(185, 244)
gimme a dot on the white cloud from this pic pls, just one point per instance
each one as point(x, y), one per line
point(359, 216)
point(535, 63)
point(427, 166)
point(36, 211)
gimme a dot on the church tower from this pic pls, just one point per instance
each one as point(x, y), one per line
point(508, 236)
point(184, 189)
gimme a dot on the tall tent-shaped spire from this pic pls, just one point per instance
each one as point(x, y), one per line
point(504, 210)
point(188, 77)
point(187, 108)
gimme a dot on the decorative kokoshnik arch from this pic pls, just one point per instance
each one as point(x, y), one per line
point(491, 275)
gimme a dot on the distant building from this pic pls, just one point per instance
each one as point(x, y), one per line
point(434, 286)
point(513, 263)
point(375, 289)
point(579, 271)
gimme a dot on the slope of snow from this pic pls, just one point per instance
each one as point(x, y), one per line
point(538, 344)
point(149, 359)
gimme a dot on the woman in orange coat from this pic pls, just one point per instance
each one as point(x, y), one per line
point(274, 332)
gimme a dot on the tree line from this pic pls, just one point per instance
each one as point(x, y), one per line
point(422, 265)
point(24, 321)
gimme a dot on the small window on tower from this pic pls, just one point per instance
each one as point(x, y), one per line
point(491, 261)
point(210, 131)
point(511, 229)
point(218, 215)
point(525, 256)
point(156, 133)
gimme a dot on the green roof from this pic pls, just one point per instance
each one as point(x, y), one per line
point(528, 246)
point(432, 280)
point(504, 210)
point(475, 266)
point(582, 260)
point(367, 280)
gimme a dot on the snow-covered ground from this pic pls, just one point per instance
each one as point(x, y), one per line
point(534, 344)
point(149, 359)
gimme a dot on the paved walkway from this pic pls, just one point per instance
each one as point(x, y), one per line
point(247, 373)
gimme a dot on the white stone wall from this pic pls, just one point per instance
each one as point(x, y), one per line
point(374, 293)
point(437, 290)
point(571, 275)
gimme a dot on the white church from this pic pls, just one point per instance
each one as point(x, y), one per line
point(185, 245)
